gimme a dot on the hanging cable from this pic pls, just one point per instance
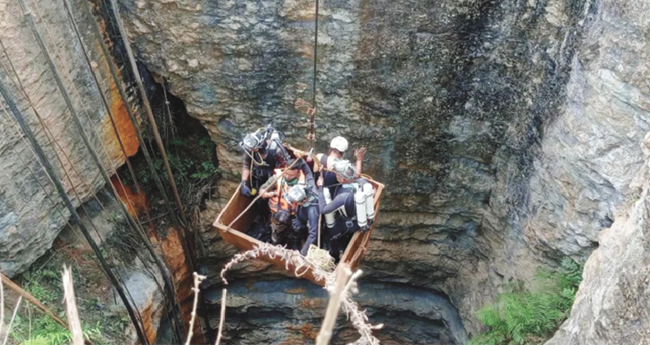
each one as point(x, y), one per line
point(188, 236)
point(311, 134)
point(54, 143)
point(134, 225)
point(62, 193)
point(134, 121)
point(163, 268)
point(67, 100)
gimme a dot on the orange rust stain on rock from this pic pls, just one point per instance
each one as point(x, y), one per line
point(172, 250)
point(147, 320)
point(296, 291)
point(123, 123)
point(306, 330)
point(136, 203)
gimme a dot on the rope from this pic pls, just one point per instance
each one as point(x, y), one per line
point(138, 132)
point(54, 142)
point(138, 79)
point(48, 169)
point(169, 286)
point(78, 125)
point(311, 134)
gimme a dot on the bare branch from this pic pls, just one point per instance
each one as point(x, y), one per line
point(71, 307)
point(197, 280)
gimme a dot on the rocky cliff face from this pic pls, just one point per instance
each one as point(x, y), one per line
point(507, 133)
point(487, 121)
point(31, 212)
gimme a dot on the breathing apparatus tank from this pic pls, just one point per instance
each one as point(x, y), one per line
point(369, 192)
point(329, 217)
point(360, 201)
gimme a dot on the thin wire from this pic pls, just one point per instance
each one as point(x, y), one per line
point(68, 101)
point(162, 267)
point(74, 189)
point(134, 121)
point(311, 135)
point(45, 164)
point(76, 90)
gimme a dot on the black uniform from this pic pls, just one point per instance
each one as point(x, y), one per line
point(345, 224)
point(271, 158)
point(308, 214)
point(329, 178)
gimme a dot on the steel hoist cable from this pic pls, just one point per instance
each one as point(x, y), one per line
point(29, 133)
point(311, 130)
point(73, 212)
point(188, 233)
point(163, 268)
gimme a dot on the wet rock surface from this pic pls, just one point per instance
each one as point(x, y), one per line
point(31, 212)
point(287, 311)
point(507, 134)
point(451, 98)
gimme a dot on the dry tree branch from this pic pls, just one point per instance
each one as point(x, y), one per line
point(12, 320)
point(222, 315)
point(334, 305)
point(358, 317)
point(197, 280)
point(71, 308)
point(16, 288)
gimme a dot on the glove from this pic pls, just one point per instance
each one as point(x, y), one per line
point(245, 190)
point(296, 224)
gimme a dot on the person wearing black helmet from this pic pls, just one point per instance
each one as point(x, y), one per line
point(344, 207)
point(263, 152)
point(293, 195)
point(306, 214)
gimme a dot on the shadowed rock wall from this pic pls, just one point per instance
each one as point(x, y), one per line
point(31, 216)
point(451, 98)
point(507, 132)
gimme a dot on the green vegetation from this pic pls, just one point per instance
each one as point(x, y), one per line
point(101, 323)
point(191, 161)
point(523, 317)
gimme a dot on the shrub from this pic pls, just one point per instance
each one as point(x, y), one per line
point(523, 317)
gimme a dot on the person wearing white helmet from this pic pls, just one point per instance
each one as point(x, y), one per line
point(342, 205)
point(338, 147)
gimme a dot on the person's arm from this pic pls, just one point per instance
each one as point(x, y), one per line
point(360, 153)
point(338, 201)
point(309, 176)
point(317, 163)
point(246, 168)
point(268, 186)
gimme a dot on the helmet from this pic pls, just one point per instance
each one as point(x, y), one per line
point(339, 143)
point(296, 194)
point(253, 141)
point(344, 168)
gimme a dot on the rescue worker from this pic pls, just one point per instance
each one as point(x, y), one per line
point(344, 206)
point(338, 146)
point(306, 214)
point(264, 152)
point(283, 208)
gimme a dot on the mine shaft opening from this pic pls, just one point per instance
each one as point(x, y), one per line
point(192, 157)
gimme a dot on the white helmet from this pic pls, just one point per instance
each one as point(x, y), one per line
point(339, 143)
